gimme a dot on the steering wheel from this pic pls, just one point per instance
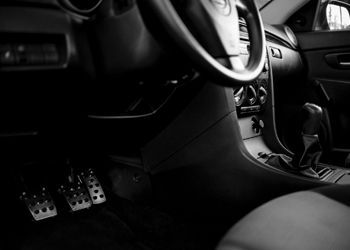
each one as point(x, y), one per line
point(208, 33)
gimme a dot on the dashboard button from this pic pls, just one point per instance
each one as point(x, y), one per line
point(51, 58)
point(51, 54)
point(35, 55)
point(21, 54)
point(7, 55)
point(276, 53)
point(49, 48)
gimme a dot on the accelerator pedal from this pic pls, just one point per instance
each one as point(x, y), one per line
point(94, 186)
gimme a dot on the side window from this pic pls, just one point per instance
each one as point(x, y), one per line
point(333, 15)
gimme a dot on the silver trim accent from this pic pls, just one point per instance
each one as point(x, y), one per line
point(124, 117)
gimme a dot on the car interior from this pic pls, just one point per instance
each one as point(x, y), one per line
point(175, 124)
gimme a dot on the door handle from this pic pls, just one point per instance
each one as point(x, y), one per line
point(338, 60)
point(344, 64)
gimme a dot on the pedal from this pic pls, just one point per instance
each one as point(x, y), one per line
point(94, 187)
point(76, 196)
point(40, 205)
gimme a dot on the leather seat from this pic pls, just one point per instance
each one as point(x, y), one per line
point(317, 219)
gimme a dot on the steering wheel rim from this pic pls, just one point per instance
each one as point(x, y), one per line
point(238, 74)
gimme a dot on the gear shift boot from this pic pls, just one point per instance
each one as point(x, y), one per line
point(307, 155)
point(311, 154)
point(281, 161)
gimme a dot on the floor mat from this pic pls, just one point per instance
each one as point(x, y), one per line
point(101, 230)
point(118, 224)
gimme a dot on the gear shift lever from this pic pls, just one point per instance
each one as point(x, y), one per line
point(307, 157)
point(313, 117)
point(308, 153)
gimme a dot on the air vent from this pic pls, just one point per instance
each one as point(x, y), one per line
point(239, 96)
point(81, 7)
point(242, 25)
point(243, 29)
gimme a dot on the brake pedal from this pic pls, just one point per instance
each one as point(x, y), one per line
point(40, 205)
point(76, 196)
point(94, 187)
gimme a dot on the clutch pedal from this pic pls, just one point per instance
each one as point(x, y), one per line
point(94, 186)
point(40, 205)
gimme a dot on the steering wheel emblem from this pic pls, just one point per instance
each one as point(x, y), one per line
point(223, 6)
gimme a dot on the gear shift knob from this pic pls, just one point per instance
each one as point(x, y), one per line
point(312, 115)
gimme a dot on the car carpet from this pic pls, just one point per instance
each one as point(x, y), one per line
point(118, 224)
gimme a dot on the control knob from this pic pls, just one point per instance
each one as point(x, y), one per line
point(262, 93)
point(238, 96)
point(251, 95)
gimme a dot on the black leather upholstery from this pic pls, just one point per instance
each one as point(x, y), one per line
point(318, 219)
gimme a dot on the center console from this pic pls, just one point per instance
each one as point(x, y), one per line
point(252, 99)
point(256, 115)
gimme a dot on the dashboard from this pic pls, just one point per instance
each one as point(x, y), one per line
point(282, 60)
point(98, 84)
point(55, 54)
point(252, 98)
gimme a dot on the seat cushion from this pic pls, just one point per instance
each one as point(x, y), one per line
point(317, 219)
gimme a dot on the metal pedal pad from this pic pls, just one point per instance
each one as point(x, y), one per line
point(76, 196)
point(94, 187)
point(40, 205)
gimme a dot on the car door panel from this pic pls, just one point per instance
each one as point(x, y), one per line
point(327, 55)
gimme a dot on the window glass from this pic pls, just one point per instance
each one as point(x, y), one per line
point(337, 17)
point(333, 15)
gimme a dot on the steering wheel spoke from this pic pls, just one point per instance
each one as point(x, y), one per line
point(224, 18)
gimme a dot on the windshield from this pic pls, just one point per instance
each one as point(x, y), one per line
point(262, 3)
